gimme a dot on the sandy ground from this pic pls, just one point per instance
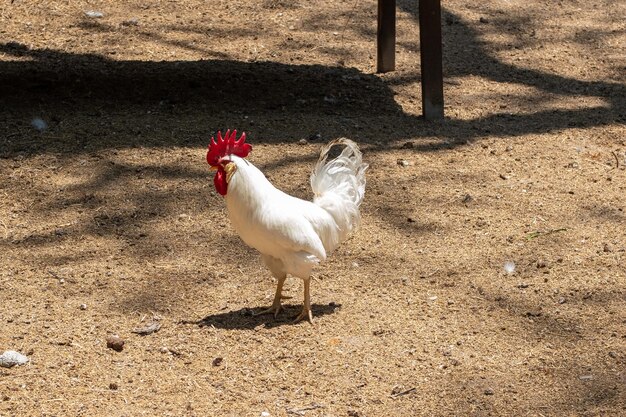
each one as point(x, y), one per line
point(109, 221)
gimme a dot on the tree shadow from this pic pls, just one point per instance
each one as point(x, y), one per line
point(245, 318)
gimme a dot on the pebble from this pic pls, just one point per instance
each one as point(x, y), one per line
point(488, 391)
point(94, 14)
point(403, 162)
point(217, 361)
point(39, 124)
point(10, 358)
point(115, 342)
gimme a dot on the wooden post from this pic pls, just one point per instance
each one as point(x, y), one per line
point(431, 58)
point(386, 36)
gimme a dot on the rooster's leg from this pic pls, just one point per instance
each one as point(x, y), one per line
point(276, 307)
point(306, 307)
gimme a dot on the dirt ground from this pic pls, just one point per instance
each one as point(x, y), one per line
point(109, 220)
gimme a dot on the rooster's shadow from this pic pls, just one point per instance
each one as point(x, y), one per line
point(245, 319)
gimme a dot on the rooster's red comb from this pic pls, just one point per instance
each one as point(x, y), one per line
point(227, 146)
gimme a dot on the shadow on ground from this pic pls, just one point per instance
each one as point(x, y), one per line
point(245, 318)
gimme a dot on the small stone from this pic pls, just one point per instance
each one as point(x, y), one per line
point(130, 22)
point(541, 264)
point(607, 248)
point(315, 136)
point(585, 377)
point(113, 386)
point(10, 358)
point(403, 163)
point(483, 20)
point(488, 391)
point(562, 300)
point(115, 342)
point(217, 361)
point(408, 145)
point(39, 124)
point(94, 14)
point(303, 142)
point(467, 199)
point(83, 306)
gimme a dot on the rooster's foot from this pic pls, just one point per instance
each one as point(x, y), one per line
point(274, 309)
point(305, 314)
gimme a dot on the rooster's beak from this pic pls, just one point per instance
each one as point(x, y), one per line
point(213, 168)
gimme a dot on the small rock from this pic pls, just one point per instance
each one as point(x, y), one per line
point(130, 22)
point(83, 306)
point(303, 142)
point(403, 162)
point(265, 414)
point(10, 358)
point(488, 391)
point(217, 361)
point(504, 177)
point(94, 14)
point(115, 342)
point(113, 386)
point(408, 145)
point(315, 136)
point(541, 264)
point(467, 199)
point(39, 124)
point(613, 354)
point(483, 20)
point(522, 285)
point(607, 248)
point(585, 377)
point(562, 300)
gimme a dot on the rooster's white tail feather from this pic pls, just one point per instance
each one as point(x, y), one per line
point(339, 186)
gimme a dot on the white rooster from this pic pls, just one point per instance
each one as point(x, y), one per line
point(293, 235)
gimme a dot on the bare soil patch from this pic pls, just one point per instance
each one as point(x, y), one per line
point(109, 221)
